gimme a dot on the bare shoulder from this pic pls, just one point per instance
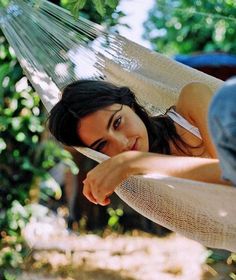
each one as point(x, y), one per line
point(193, 104)
point(194, 98)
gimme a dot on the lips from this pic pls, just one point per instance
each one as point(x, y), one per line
point(134, 147)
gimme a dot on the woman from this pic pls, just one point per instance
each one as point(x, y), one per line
point(108, 119)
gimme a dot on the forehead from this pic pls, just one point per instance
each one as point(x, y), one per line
point(94, 125)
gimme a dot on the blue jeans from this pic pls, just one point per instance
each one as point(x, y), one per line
point(222, 125)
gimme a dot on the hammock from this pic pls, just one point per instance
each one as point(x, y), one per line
point(55, 50)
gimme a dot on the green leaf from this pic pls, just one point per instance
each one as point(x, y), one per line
point(112, 3)
point(50, 187)
point(113, 221)
point(4, 69)
point(4, 3)
point(81, 4)
point(75, 6)
point(20, 137)
point(100, 7)
point(3, 145)
point(9, 276)
point(119, 212)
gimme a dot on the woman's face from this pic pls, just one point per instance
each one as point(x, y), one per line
point(113, 130)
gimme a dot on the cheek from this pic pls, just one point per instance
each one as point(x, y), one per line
point(138, 127)
point(111, 151)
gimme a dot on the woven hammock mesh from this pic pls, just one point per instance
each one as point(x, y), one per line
point(54, 50)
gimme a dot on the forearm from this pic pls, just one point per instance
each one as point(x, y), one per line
point(193, 168)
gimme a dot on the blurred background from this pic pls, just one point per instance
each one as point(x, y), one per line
point(42, 209)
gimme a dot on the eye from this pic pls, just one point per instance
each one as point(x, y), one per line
point(100, 146)
point(116, 123)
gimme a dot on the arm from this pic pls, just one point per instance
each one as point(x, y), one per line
point(103, 179)
point(193, 104)
point(193, 168)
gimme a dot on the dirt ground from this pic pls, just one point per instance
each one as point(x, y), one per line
point(61, 255)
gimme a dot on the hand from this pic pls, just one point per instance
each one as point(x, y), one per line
point(101, 181)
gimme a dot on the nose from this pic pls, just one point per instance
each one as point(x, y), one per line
point(120, 142)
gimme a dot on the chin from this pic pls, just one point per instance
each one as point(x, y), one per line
point(144, 148)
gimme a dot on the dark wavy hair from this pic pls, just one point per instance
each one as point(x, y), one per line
point(87, 96)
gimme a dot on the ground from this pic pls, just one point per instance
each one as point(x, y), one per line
point(57, 254)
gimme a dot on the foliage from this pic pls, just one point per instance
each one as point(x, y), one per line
point(184, 26)
point(103, 7)
point(14, 253)
point(114, 217)
point(4, 3)
point(25, 154)
point(101, 13)
point(12, 250)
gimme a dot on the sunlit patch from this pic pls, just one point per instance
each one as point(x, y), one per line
point(84, 62)
point(5, 82)
point(61, 69)
point(22, 84)
point(223, 213)
point(3, 145)
point(158, 177)
point(172, 187)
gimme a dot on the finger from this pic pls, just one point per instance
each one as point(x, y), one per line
point(87, 193)
point(105, 202)
point(92, 198)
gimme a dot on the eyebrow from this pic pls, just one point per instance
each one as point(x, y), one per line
point(108, 127)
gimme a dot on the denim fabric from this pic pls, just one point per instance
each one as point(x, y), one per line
point(222, 124)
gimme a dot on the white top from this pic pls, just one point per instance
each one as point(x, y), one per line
point(183, 122)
